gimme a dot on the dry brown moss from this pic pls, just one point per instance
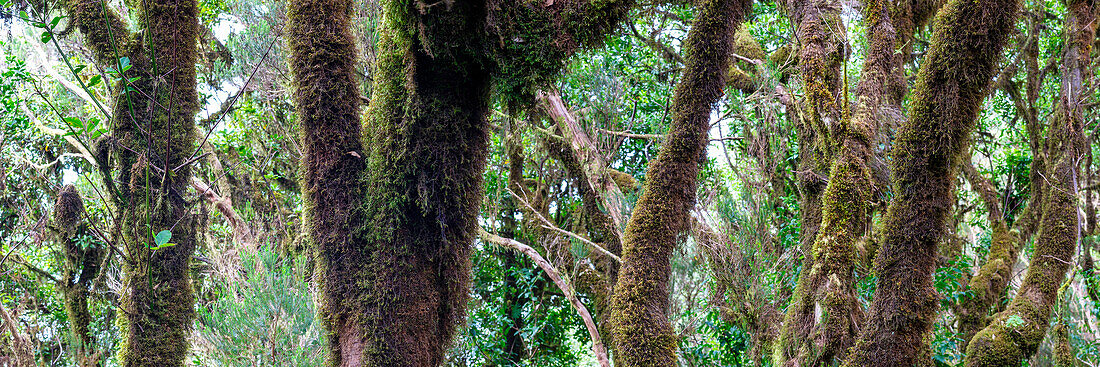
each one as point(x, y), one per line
point(951, 85)
point(643, 335)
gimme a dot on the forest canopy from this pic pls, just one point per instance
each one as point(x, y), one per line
point(631, 183)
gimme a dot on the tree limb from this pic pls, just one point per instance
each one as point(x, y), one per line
point(597, 344)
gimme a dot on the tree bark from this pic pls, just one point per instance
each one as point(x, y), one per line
point(951, 85)
point(642, 332)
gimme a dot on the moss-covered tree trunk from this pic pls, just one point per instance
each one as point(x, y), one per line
point(153, 140)
point(820, 60)
point(643, 335)
point(824, 319)
point(392, 214)
point(1015, 333)
point(821, 57)
point(393, 224)
point(951, 85)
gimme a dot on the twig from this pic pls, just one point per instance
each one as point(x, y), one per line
point(597, 344)
point(546, 223)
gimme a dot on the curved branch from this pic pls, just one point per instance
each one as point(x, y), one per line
point(597, 344)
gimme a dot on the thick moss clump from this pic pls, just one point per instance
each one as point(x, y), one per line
point(951, 85)
point(1015, 333)
point(643, 335)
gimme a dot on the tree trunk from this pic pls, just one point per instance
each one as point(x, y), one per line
point(154, 133)
point(951, 86)
point(821, 323)
point(643, 334)
point(1015, 333)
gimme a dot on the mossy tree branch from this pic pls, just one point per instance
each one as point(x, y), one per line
point(951, 85)
point(643, 334)
point(828, 293)
point(989, 283)
point(82, 266)
point(820, 33)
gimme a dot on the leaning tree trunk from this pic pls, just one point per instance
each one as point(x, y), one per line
point(950, 87)
point(989, 283)
point(153, 140)
point(643, 335)
point(1015, 333)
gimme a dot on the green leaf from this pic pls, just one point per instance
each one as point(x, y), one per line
point(57, 19)
point(93, 123)
point(77, 69)
point(94, 80)
point(47, 36)
point(134, 79)
point(74, 122)
point(162, 238)
point(23, 15)
point(124, 62)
